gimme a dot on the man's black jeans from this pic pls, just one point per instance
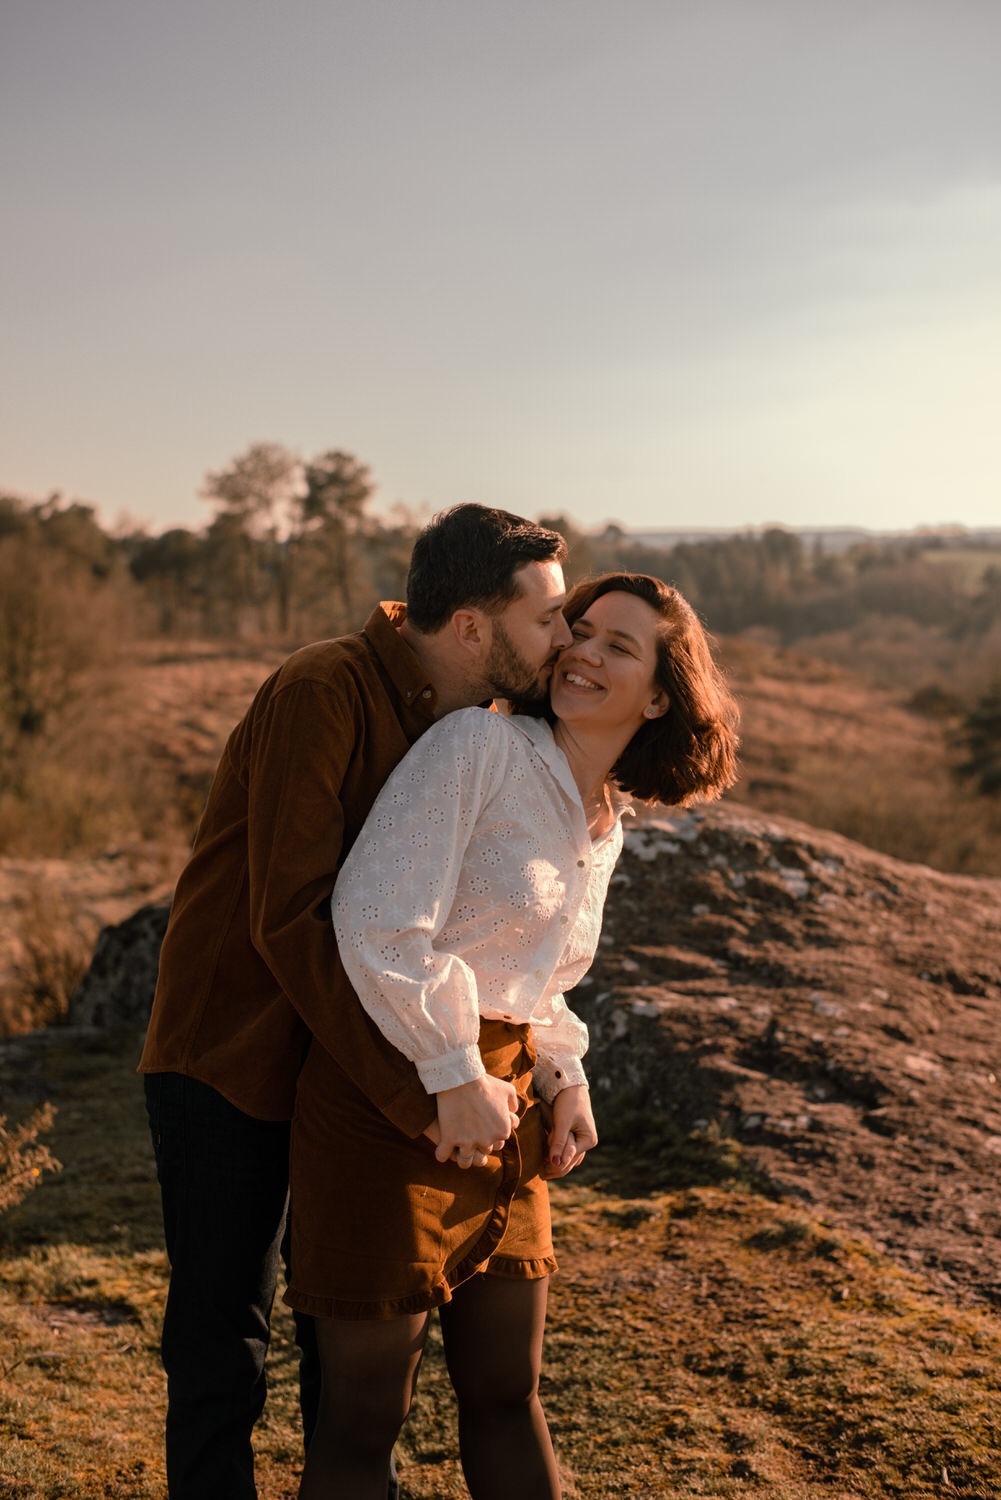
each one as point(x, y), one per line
point(224, 1184)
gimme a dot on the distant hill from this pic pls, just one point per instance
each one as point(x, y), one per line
point(822, 538)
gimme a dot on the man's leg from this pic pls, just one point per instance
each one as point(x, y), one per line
point(224, 1185)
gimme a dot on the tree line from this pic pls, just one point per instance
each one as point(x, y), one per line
point(292, 551)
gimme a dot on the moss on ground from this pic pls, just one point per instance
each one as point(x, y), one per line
point(704, 1340)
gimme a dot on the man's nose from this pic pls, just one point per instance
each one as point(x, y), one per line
point(561, 633)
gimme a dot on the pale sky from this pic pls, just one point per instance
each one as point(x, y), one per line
point(713, 263)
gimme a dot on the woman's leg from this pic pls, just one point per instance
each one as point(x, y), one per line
point(369, 1372)
point(492, 1332)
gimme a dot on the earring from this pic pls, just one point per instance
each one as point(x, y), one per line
point(650, 712)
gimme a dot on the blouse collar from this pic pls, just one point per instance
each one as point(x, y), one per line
point(540, 733)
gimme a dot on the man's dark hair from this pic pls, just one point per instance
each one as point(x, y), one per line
point(468, 556)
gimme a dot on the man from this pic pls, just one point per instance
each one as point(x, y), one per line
point(249, 956)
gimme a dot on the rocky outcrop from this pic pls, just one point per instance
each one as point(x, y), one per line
point(833, 1010)
point(117, 989)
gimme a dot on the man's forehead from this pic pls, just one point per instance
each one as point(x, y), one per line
point(541, 583)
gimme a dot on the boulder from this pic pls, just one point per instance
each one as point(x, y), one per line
point(117, 989)
point(834, 1011)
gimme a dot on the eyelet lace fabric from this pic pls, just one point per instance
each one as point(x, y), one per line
point(474, 890)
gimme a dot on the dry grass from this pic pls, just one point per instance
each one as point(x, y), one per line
point(54, 945)
point(823, 745)
point(24, 1156)
point(704, 1341)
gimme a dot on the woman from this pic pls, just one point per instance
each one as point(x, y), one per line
point(470, 902)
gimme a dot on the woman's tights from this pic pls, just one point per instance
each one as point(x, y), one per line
point(492, 1332)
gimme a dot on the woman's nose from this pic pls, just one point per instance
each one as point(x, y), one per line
point(588, 649)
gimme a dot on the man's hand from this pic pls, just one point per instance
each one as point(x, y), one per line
point(572, 1133)
point(475, 1119)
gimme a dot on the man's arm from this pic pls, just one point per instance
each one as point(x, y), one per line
point(302, 754)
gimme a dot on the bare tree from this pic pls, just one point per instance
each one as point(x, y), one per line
point(338, 488)
point(259, 499)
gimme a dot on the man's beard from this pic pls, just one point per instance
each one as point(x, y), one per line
point(509, 675)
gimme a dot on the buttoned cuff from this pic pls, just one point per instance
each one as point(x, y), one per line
point(452, 1070)
point(553, 1074)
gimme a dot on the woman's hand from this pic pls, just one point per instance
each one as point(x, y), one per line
point(475, 1119)
point(572, 1133)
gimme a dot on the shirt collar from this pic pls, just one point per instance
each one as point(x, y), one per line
point(402, 666)
point(540, 732)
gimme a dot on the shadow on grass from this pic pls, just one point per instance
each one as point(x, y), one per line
point(642, 1152)
point(106, 1195)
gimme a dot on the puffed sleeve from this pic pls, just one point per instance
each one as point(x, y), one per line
point(396, 889)
point(560, 1035)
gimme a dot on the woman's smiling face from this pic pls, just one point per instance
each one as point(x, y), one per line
point(607, 675)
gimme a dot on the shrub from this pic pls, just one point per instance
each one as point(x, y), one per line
point(23, 1157)
point(55, 945)
point(980, 738)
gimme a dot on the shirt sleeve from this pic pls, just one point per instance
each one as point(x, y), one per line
point(562, 1042)
point(301, 751)
point(397, 888)
point(560, 1047)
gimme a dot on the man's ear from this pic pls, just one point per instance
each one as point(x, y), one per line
point(470, 631)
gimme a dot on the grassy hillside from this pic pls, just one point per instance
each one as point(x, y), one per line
point(831, 747)
point(108, 829)
point(704, 1340)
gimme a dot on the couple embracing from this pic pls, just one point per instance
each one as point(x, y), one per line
point(390, 890)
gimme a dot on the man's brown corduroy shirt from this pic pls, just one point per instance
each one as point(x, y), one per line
point(249, 968)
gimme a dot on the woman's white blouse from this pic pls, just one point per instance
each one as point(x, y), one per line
point(474, 890)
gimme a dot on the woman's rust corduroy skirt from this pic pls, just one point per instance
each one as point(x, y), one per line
point(380, 1228)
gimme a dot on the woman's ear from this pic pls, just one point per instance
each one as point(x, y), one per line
point(658, 708)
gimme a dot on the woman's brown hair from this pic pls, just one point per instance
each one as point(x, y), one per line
point(690, 753)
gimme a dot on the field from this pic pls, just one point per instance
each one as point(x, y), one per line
point(704, 1339)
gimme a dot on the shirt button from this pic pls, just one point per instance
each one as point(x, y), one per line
point(564, 920)
point(538, 973)
point(580, 864)
point(426, 693)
